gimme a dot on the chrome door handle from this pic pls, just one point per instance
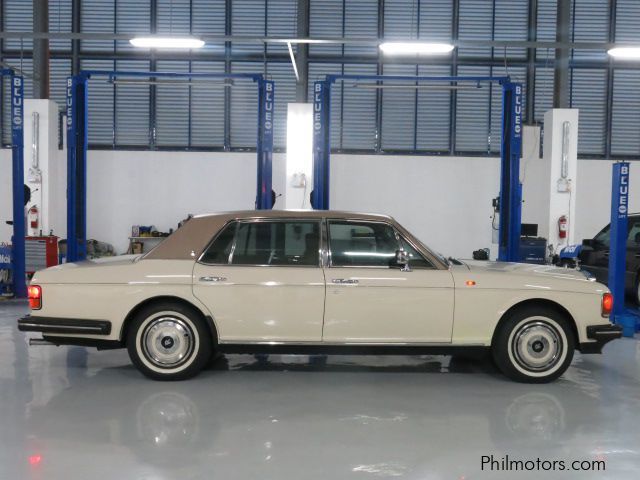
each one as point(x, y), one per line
point(348, 281)
point(213, 279)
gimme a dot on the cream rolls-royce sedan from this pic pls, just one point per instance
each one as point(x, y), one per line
point(316, 282)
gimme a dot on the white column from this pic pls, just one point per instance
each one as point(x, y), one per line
point(299, 169)
point(44, 167)
point(549, 191)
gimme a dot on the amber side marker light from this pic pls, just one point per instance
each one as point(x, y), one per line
point(470, 283)
point(607, 304)
point(35, 297)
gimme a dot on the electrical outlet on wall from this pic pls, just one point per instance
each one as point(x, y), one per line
point(564, 185)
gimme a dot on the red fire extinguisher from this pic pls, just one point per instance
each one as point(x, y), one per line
point(562, 226)
point(32, 217)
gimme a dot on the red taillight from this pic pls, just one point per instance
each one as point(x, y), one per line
point(35, 297)
point(607, 304)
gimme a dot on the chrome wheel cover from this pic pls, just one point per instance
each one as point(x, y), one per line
point(167, 341)
point(537, 346)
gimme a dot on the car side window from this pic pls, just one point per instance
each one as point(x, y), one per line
point(633, 239)
point(277, 243)
point(220, 249)
point(362, 244)
point(416, 260)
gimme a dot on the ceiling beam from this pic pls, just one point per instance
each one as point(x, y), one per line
point(326, 40)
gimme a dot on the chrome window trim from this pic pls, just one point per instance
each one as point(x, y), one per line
point(324, 244)
point(213, 239)
point(397, 233)
point(240, 221)
point(233, 244)
point(403, 238)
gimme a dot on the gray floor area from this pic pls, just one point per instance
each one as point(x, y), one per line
point(73, 413)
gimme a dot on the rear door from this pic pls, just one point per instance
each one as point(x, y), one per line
point(263, 282)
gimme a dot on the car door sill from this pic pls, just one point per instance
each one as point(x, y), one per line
point(319, 348)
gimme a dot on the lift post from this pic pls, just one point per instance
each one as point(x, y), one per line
point(321, 145)
point(77, 143)
point(510, 186)
point(18, 258)
point(266, 88)
point(618, 247)
point(510, 149)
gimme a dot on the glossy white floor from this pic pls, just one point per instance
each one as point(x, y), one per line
point(73, 413)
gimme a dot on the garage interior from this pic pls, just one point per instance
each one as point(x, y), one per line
point(491, 129)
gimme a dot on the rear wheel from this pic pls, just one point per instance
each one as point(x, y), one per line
point(534, 345)
point(169, 341)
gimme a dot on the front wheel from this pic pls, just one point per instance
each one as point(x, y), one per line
point(169, 341)
point(534, 345)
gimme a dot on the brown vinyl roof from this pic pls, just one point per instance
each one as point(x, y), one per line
point(190, 240)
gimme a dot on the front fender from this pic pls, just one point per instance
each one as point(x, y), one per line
point(478, 311)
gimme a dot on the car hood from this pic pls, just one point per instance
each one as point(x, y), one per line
point(509, 275)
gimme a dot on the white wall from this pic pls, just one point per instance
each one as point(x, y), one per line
point(162, 188)
point(6, 208)
point(445, 201)
point(594, 195)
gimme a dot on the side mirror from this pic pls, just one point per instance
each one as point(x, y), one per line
point(402, 260)
point(588, 242)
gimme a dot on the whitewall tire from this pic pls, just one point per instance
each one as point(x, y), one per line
point(534, 345)
point(169, 341)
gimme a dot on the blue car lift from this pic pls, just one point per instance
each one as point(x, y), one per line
point(77, 144)
point(628, 319)
point(17, 153)
point(510, 148)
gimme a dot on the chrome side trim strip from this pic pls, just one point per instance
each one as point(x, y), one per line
point(352, 344)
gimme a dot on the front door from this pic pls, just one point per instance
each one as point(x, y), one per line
point(371, 300)
point(262, 281)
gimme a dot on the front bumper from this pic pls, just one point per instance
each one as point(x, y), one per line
point(64, 326)
point(602, 334)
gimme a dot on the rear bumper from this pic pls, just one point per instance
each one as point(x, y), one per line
point(64, 326)
point(602, 334)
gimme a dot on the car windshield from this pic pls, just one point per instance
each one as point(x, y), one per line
point(603, 238)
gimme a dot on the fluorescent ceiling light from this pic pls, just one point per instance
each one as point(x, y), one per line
point(625, 53)
point(415, 48)
point(167, 42)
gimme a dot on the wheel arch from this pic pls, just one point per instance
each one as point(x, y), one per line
point(536, 302)
point(208, 320)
